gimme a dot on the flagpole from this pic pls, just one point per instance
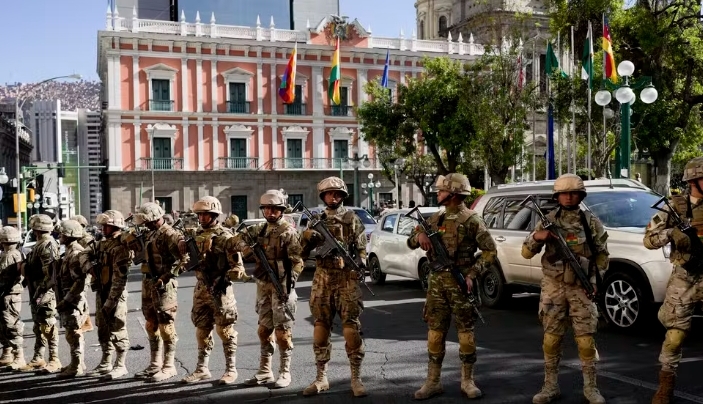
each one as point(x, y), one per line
point(572, 135)
point(550, 171)
point(588, 156)
point(559, 137)
point(535, 73)
point(605, 134)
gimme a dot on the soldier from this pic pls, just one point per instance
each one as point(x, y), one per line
point(685, 288)
point(231, 222)
point(463, 232)
point(168, 219)
point(282, 248)
point(39, 268)
point(109, 261)
point(159, 291)
point(563, 299)
point(71, 296)
point(11, 325)
point(213, 296)
point(87, 237)
point(85, 242)
point(335, 289)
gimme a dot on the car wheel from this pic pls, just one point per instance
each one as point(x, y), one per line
point(377, 276)
point(423, 274)
point(623, 301)
point(494, 291)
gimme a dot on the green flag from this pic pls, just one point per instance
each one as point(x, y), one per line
point(551, 66)
point(587, 61)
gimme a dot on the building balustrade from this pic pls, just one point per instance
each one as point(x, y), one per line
point(238, 163)
point(160, 164)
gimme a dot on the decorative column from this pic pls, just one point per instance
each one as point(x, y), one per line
point(184, 85)
point(272, 82)
point(137, 141)
point(318, 91)
point(184, 135)
point(215, 142)
point(201, 152)
point(259, 85)
point(213, 83)
point(135, 83)
point(199, 85)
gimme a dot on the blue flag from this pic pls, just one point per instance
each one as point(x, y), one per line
point(384, 78)
point(551, 174)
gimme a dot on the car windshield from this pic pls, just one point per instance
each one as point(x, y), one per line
point(365, 217)
point(622, 208)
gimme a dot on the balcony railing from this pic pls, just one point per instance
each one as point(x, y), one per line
point(340, 110)
point(294, 109)
point(317, 164)
point(161, 163)
point(160, 105)
point(238, 107)
point(238, 163)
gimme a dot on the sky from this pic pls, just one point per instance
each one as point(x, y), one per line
point(48, 38)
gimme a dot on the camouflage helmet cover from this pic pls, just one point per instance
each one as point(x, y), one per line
point(41, 222)
point(71, 228)
point(80, 219)
point(569, 183)
point(9, 234)
point(332, 184)
point(693, 169)
point(149, 212)
point(272, 197)
point(231, 221)
point(208, 204)
point(454, 183)
point(111, 218)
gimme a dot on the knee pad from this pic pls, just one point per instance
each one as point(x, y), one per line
point(168, 332)
point(587, 348)
point(265, 334)
point(551, 344)
point(204, 338)
point(227, 333)
point(284, 339)
point(321, 335)
point(351, 336)
point(435, 342)
point(467, 344)
point(673, 340)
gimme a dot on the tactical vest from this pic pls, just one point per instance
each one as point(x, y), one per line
point(10, 272)
point(694, 213)
point(67, 275)
point(33, 266)
point(270, 240)
point(213, 257)
point(461, 245)
point(159, 256)
point(575, 236)
point(106, 259)
point(341, 226)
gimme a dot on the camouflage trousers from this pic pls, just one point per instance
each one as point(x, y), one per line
point(159, 308)
point(44, 317)
point(561, 304)
point(72, 320)
point(11, 325)
point(336, 291)
point(270, 308)
point(444, 298)
point(112, 328)
point(218, 311)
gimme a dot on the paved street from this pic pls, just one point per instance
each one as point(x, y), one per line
point(509, 368)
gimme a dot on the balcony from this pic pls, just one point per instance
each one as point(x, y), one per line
point(340, 110)
point(161, 164)
point(294, 109)
point(316, 164)
point(160, 105)
point(238, 107)
point(238, 163)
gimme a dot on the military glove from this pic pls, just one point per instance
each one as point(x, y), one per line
point(681, 240)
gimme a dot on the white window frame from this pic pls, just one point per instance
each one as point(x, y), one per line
point(340, 133)
point(239, 131)
point(294, 132)
point(238, 75)
point(162, 130)
point(302, 81)
point(161, 71)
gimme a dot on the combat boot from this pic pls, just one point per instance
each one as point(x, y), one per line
point(433, 385)
point(356, 385)
point(550, 390)
point(230, 375)
point(119, 369)
point(468, 386)
point(7, 356)
point(105, 365)
point(54, 364)
point(284, 377)
point(665, 392)
point(18, 361)
point(156, 359)
point(201, 370)
point(320, 384)
point(169, 369)
point(72, 370)
point(590, 389)
point(265, 374)
point(36, 363)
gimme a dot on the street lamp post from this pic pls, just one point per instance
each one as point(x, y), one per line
point(355, 162)
point(371, 185)
point(397, 164)
point(18, 109)
point(626, 96)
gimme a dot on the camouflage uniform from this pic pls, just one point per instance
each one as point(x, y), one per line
point(86, 241)
point(563, 300)
point(336, 290)
point(463, 233)
point(11, 325)
point(39, 268)
point(71, 297)
point(685, 289)
point(214, 304)
point(109, 260)
point(160, 306)
point(231, 222)
point(281, 245)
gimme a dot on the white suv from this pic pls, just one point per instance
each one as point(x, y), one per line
point(636, 278)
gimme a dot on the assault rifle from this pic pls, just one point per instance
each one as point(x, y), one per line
point(191, 247)
point(139, 236)
point(695, 264)
point(443, 260)
point(332, 246)
point(263, 261)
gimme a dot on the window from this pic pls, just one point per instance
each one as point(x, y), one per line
point(166, 203)
point(295, 198)
point(516, 217)
point(442, 26)
point(162, 154)
point(422, 30)
point(340, 153)
point(294, 153)
point(161, 95)
point(297, 107)
point(237, 147)
point(385, 197)
point(406, 226)
point(238, 98)
point(492, 213)
point(239, 206)
point(389, 223)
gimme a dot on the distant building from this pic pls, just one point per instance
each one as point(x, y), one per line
point(90, 153)
point(8, 163)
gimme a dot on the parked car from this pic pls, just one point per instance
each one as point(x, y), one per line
point(388, 252)
point(636, 278)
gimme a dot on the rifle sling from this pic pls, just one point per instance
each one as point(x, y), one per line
point(591, 245)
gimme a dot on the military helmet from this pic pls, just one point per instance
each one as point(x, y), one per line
point(454, 183)
point(208, 204)
point(111, 218)
point(80, 219)
point(274, 198)
point(9, 234)
point(71, 228)
point(693, 169)
point(231, 221)
point(332, 184)
point(569, 183)
point(168, 219)
point(41, 222)
point(149, 212)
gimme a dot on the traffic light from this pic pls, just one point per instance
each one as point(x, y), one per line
point(61, 170)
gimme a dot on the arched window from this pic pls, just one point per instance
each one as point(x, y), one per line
point(422, 30)
point(442, 24)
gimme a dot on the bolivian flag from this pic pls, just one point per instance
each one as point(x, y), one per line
point(609, 68)
point(335, 77)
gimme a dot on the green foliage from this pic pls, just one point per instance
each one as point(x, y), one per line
point(475, 194)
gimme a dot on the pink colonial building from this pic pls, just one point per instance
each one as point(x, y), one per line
point(192, 109)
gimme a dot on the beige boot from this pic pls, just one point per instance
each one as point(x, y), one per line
point(169, 369)
point(54, 364)
point(156, 359)
point(590, 389)
point(75, 368)
point(105, 365)
point(230, 375)
point(119, 369)
point(356, 385)
point(550, 390)
point(7, 356)
point(665, 392)
point(202, 372)
point(468, 386)
point(284, 377)
point(265, 374)
point(320, 384)
point(36, 363)
point(18, 361)
point(433, 385)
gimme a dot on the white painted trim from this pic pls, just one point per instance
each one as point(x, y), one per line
point(213, 85)
point(238, 75)
point(259, 88)
point(215, 144)
point(162, 130)
point(137, 141)
point(135, 82)
point(340, 133)
point(199, 86)
point(274, 140)
point(161, 71)
point(118, 81)
point(111, 85)
point(201, 149)
point(185, 132)
point(294, 132)
point(362, 79)
point(301, 79)
point(238, 131)
point(273, 92)
point(185, 90)
point(260, 142)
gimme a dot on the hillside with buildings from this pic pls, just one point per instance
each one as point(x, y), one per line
point(73, 94)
